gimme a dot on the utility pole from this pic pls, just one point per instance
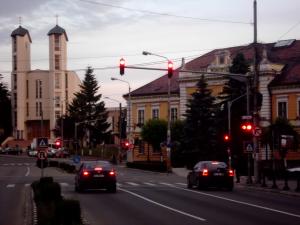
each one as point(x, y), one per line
point(255, 91)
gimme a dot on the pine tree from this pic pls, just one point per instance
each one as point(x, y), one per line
point(5, 111)
point(87, 106)
point(199, 129)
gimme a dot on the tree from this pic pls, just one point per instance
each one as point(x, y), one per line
point(5, 111)
point(200, 129)
point(87, 106)
point(155, 132)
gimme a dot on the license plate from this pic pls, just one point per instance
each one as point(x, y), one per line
point(219, 174)
point(98, 175)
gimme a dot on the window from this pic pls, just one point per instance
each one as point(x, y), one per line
point(27, 109)
point(282, 109)
point(15, 81)
point(57, 114)
point(141, 116)
point(14, 44)
point(56, 62)
point(27, 88)
point(15, 62)
point(41, 109)
point(36, 88)
point(155, 113)
point(57, 101)
point(66, 80)
point(173, 114)
point(57, 81)
point(221, 59)
point(56, 42)
point(37, 109)
point(40, 88)
point(16, 118)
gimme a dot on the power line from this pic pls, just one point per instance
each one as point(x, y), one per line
point(164, 14)
point(289, 30)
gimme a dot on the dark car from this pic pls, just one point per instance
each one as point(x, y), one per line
point(207, 174)
point(96, 175)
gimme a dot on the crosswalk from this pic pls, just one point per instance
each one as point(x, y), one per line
point(124, 184)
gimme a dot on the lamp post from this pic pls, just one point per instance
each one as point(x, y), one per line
point(129, 104)
point(169, 167)
point(120, 121)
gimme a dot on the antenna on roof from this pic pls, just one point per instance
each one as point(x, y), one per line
point(20, 20)
point(56, 19)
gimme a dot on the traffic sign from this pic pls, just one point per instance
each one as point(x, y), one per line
point(42, 142)
point(42, 155)
point(257, 131)
point(248, 146)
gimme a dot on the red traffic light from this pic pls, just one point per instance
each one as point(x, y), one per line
point(122, 66)
point(170, 69)
point(226, 137)
point(247, 127)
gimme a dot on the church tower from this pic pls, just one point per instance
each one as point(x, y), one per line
point(58, 76)
point(21, 65)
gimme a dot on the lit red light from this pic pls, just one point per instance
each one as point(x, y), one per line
point(86, 173)
point(112, 173)
point(205, 172)
point(98, 169)
point(231, 173)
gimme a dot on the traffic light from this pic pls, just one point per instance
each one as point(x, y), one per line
point(170, 69)
point(122, 66)
point(247, 126)
point(226, 138)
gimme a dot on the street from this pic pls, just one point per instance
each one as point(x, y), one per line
point(146, 198)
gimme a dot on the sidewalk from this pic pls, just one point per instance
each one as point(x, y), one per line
point(292, 184)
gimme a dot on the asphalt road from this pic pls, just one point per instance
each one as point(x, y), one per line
point(147, 198)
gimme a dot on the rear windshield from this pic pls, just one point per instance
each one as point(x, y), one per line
point(212, 165)
point(92, 165)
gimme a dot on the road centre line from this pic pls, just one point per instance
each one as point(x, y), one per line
point(28, 172)
point(163, 206)
point(239, 202)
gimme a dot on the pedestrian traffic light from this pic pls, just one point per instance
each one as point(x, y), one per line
point(170, 69)
point(122, 66)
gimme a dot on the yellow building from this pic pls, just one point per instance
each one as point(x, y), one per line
point(279, 83)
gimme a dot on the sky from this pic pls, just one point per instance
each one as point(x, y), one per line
point(101, 32)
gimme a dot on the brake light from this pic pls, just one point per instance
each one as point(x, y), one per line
point(112, 173)
point(98, 169)
point(205, 172)
point(85, 173)
point(231, 173)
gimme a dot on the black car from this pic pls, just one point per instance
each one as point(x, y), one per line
point(207, 174)
point(96, 175)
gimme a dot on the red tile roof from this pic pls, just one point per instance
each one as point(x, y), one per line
point(288, 55)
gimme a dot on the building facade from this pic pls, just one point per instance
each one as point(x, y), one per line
point(39, 97)
point(279, 83)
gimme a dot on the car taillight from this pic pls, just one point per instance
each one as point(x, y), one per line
point(98, 169)
point(112, 173)
point(231, 173)
point(205, 172)
point(85, 173)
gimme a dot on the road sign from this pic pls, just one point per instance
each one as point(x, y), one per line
point(257, 131)
point(247, 117)
point(248, 146)
point(42, 142)
point(42, 155)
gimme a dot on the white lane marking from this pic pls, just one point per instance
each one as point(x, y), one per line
point(182, 184)
point(133, 184)
point(164, 206)
point(64, 184)
point(119, 185)
point(20, 164)
point(167, 184)
point(10, 185)
point(149, 184)
point(26, 164)
point(240, 202)
point(28, 172)
point(27, 185)
point(12, 164)
point(5, 164)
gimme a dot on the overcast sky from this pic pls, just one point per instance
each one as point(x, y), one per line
point(100, 32)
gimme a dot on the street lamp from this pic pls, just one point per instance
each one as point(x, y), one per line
point(169, 168)
point(129, 103)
